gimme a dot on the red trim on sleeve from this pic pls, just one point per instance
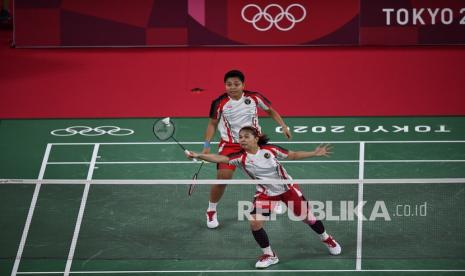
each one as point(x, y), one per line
point(255, 95)
point(216, 105)
point(254, 99)
point(275, 148)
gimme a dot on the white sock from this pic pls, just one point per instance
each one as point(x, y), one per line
point(268, 251)
point(324, 236)
point(212, 206)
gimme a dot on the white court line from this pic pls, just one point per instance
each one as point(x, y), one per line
point(193, 162)
point(340, 181)
point(32, 207)
point(85, 194)
point(361, 174)
point(246, 271)
point(415, 161)
point(274, 142)
point(282, 161)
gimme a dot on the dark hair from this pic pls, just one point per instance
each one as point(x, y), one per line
point(262, 138)
point(234, 74)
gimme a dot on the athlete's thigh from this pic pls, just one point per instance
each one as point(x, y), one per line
point(224, 174)
point(295, 201)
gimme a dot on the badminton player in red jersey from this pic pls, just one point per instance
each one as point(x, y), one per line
point(259, 160)
point(229, 113)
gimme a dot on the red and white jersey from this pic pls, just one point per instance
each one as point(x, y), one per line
point(236, 114)
point(264, 165)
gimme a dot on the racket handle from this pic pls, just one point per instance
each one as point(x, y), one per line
point(189, 153)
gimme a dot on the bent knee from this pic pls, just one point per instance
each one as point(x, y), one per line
point(256, 225)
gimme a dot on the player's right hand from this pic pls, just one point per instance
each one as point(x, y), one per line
point(287, 133)
point(191, 154)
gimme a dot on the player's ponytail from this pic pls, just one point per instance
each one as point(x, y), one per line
point(262, 138)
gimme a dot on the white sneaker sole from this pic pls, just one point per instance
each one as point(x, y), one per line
point(212, 224)
point(273, 261)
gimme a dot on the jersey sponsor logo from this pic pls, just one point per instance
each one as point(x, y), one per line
point(267, 155)
point(89, 131)
point(273, 15)
point(247, 101)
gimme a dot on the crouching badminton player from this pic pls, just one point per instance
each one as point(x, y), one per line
point(259, 160)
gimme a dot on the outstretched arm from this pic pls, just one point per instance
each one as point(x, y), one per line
point(321, 150)
point(215, 158)
point(279, 120)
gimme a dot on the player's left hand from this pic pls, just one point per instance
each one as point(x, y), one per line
point(323, 150)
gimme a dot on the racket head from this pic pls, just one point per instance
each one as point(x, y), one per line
point(163, 129)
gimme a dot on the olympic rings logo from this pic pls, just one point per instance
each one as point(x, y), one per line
point(273, 21)
point(88, 131)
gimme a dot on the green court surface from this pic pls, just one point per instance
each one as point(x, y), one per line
point(413, 225)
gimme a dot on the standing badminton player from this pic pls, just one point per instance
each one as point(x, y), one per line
point(229, 113)
point(259, 160)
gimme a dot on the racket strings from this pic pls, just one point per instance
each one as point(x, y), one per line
point(162, 130)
